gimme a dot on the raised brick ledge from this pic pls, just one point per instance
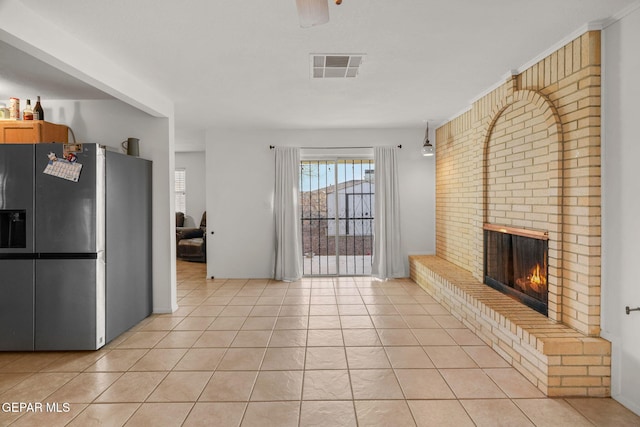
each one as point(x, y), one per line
point(557, 359)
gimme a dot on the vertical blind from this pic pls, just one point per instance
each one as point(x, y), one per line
point(181, 190)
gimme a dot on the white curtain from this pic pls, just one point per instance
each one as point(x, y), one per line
point(288, 245)
point(387, 256)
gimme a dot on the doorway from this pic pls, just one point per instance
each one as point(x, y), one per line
point(337, 201)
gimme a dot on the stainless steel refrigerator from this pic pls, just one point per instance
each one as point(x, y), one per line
point(75, 250)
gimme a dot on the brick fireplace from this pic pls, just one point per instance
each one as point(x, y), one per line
point(527, 156)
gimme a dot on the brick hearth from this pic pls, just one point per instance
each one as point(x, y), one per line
point(557, 359)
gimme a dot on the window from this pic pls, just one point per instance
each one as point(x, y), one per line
point(181, 190)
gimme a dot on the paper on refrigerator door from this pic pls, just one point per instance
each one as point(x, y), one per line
point(64, 169)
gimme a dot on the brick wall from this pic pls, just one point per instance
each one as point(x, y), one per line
point(527, 155)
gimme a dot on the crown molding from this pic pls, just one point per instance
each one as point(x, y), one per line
point(624, 12)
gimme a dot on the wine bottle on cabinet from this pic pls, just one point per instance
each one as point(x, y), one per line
point(27, 113)
point(38, 112)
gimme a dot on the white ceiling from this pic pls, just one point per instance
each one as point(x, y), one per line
point(245, 63)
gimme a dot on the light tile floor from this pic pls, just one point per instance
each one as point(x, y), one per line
point(319, 352)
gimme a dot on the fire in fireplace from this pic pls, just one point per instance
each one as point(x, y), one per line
point(515, 263)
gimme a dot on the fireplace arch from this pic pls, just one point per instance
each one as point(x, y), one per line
point(522, 173)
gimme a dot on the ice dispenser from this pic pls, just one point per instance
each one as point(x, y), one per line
point(13, 230)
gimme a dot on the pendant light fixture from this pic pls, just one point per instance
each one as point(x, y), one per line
point(427, 148)
point(313, 12)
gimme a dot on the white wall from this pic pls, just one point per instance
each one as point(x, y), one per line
point(194, 165)
point(189, 140)
point(621, 205)
point(240, 186)
point(109, 122)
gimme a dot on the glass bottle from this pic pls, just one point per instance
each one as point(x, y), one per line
point(27, 113)
point(38, 112)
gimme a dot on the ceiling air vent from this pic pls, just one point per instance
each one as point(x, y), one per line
point(336, 65)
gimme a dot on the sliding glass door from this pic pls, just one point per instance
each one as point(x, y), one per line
point(336, 202)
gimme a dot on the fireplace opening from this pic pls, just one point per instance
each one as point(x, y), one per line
point(515, 263)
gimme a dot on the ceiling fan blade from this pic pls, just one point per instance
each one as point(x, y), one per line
point(312, 12)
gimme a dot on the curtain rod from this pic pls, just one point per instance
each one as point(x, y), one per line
point(271, 147)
